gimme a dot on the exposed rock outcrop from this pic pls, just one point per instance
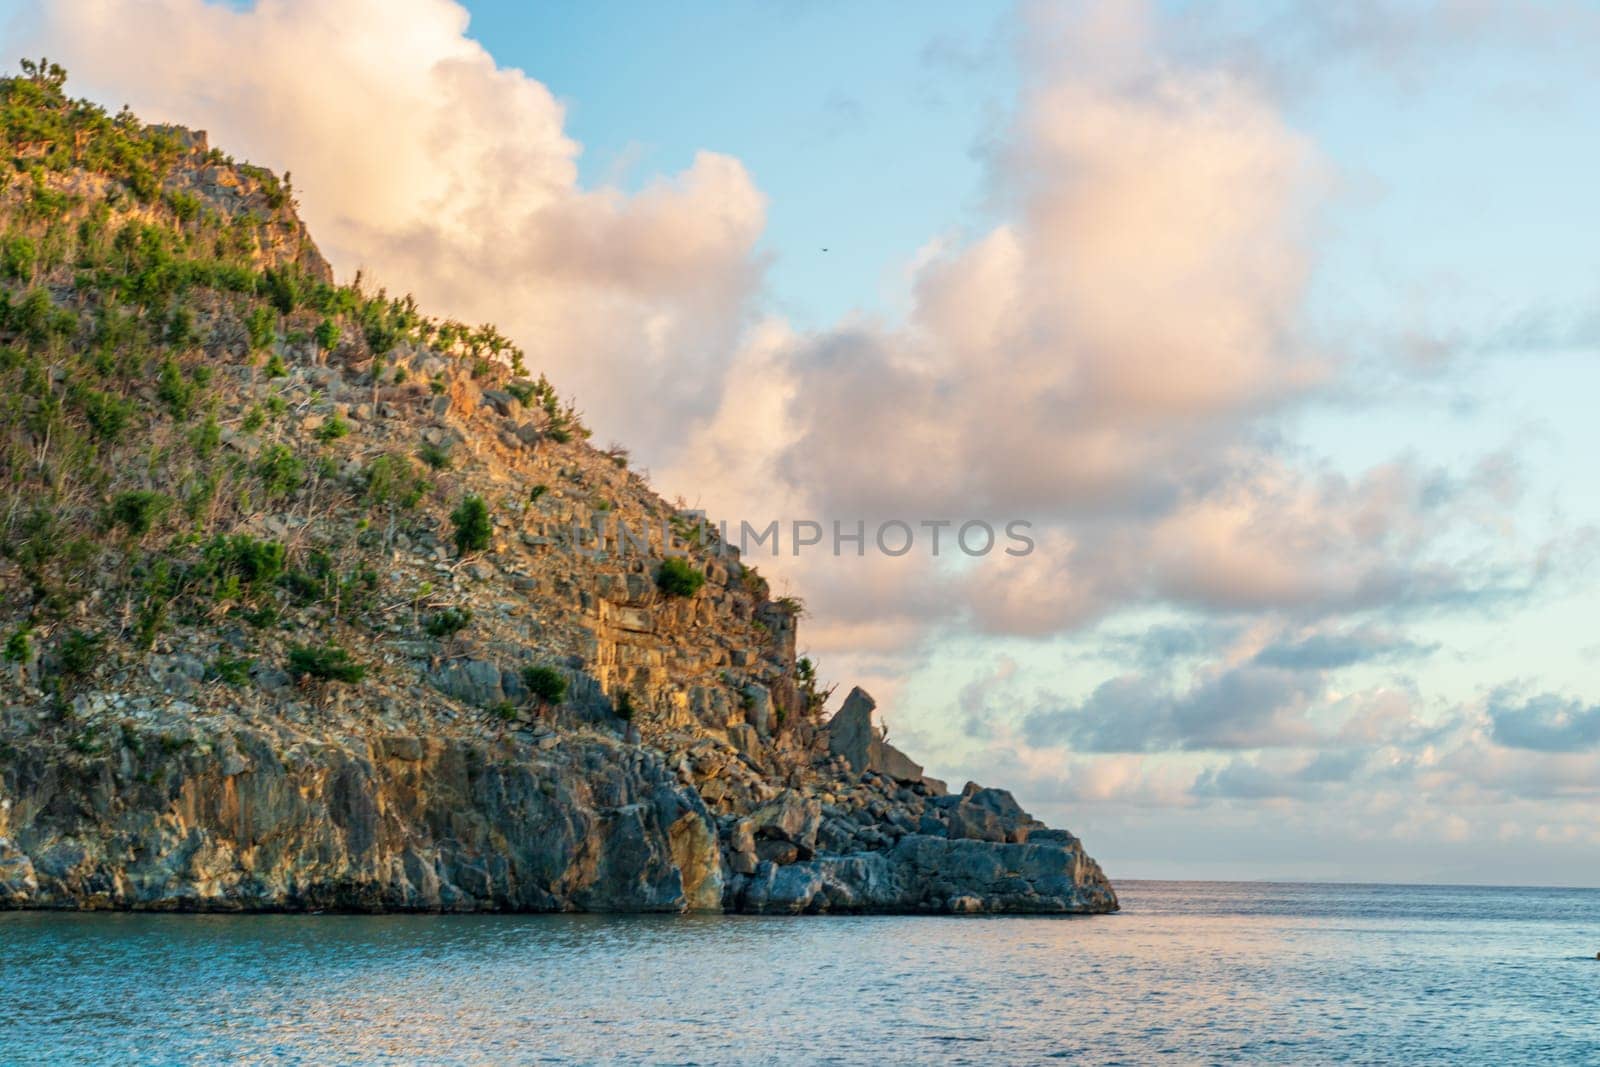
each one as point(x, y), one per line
point(885, 847)
point(1047, 875)
point(260, 819)
point(853, 737)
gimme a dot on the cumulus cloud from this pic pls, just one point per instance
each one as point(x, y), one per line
point(1031, 376)
point(442, 173)
point(1110, 360)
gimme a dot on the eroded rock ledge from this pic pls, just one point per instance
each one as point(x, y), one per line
point(253, 820)
point(193, 815)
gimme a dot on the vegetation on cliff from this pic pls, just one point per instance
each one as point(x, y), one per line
point(310, 599)
point(178, 451)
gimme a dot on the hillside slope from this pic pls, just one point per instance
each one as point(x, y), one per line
point(311, 600)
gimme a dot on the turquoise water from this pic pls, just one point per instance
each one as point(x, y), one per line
point(1191, 972)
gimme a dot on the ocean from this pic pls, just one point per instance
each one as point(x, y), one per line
point(1189, 972)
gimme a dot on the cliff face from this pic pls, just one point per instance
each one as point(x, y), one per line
point(182, 810)
point(266, 819)
point(310, 600)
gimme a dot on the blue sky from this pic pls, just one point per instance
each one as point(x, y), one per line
point(1280, 322)
point(859, 122)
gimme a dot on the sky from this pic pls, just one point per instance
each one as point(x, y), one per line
point(1277, 322)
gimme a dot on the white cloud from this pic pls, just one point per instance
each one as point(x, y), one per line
point(419, 158)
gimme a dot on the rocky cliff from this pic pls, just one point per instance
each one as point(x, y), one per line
point(310, 600)
point(225, 816)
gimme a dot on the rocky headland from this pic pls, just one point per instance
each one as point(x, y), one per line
point(311, 601)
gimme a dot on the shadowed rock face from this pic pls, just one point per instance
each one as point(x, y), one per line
point(276, 818)
point(978, 852)
point(252, 821)
point(1049, 875)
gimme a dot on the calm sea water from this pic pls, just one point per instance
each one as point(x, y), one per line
point(1191, 972)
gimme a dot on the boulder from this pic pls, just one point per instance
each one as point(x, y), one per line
point(896, 764)
point(853, 737)
point(503, 402)
point(769, 850)
point(850, 731)
point(789, 817)
point(990, 815)
point(474, 681)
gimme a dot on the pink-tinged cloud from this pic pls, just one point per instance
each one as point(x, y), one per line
point(417, 157)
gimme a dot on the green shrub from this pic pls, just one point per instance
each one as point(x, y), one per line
point(473, 528)
point(677, 577)
point(18, 257)
point(392, 480)
point(333, 429)
point(139, 510)
point(175, 390)
point(79, 652)
point(435, 456)
point(328, 663)
point(18, 647)
point(184, 205)
point(282, 287)
point(230, 670)
point(276, 368)
point(327, 334)
point(106, 414)
point(503, 710)
point(206, 437)
point(260, 326)
point(548, 685)
point(181, 330)
point(280, 472)
point(245, 560)
point(448, 622)
point(624, 706)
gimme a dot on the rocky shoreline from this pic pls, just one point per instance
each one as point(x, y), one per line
point(198, 816)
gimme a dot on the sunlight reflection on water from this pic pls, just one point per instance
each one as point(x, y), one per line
point(1193, 971)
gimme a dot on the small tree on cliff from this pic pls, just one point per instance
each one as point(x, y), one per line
point(546, 684)
point(473, 528)
point(326, 335)
point(328, 663)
